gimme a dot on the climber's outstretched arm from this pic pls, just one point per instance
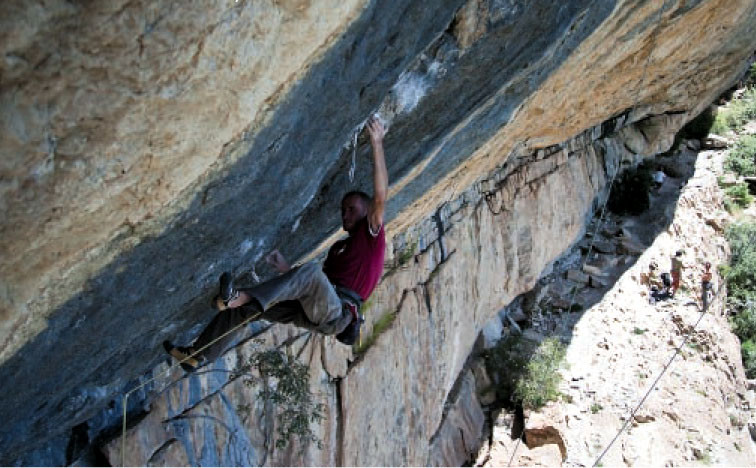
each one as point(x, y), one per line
point(380, 175)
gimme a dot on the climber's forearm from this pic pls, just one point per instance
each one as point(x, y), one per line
point(380, 173)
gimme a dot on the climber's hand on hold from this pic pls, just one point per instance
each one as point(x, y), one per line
point(376, 131)
point(277, 261)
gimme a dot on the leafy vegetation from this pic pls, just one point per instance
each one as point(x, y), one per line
point(526, 372)
point(539, 384)
point(742, 158)
point(407, 253)
point(741, 281)
point(285, 382)
point(380, 326)
point(750, 79)
point(630, 191)
point(737, 197)
point(736, 114)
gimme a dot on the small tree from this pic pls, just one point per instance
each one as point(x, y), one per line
point(742, 158)
point(741, 282)
point(285, 383)
point(540, 383)
point(526, 372)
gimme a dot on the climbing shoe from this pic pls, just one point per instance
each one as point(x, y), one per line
point(351, 333)
point(182, 355)
point(226, 292)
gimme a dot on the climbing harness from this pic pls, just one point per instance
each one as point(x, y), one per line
point(599, 225)
point(126, 396)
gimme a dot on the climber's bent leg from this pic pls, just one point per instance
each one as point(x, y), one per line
point(289, 312)
point(224, 321)
point(308, 285)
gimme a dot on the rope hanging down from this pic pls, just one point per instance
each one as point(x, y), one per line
point(126, 396)
point(638, 88)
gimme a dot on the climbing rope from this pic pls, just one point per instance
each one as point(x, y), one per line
point(126, 396)
point(654, 36)
point(656, 381)
point(165, 372)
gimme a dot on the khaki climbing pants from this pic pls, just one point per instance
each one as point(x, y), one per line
point(302, 296)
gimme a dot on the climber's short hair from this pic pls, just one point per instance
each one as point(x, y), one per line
point(357, 193)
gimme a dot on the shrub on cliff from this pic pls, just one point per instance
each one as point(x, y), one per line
point(525, 372)
point(741, 282)
point(736, 114)
point(540, 383)
point(742, 158)
point(284, 382)
point(506, 362)
point(630, 191)
point(737, 197)
point(750, 79)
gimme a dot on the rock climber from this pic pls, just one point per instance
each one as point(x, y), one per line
point(658, 288)
point(676, 271)
point(706, 285)
point(327, 299)
point(652, 277)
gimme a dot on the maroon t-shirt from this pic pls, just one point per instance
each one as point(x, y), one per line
point(357, 261)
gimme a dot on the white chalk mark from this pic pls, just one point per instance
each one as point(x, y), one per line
point(354, 154)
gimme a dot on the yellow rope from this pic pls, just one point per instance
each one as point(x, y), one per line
point(165, 372)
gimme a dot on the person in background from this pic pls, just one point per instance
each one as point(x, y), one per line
point(677, 269)
point(706, 285)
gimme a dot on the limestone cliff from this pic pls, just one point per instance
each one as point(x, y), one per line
point(676, 369)
point(147, 146)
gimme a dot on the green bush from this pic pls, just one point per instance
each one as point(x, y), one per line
point(748, 348)
point(741, 282)
point(737, 197)
point(750, 79)
point(540, 383)
point(736, 114)
point(506, 363)
point(741, 273)
point(380, 326)
point(742, 158)
point(285, 382)
point(630, 191)
point(744, 323)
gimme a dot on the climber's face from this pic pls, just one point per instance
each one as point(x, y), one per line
point(353, 209)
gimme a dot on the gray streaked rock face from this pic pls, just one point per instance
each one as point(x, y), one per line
point(401, 401)
point(93, 286)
